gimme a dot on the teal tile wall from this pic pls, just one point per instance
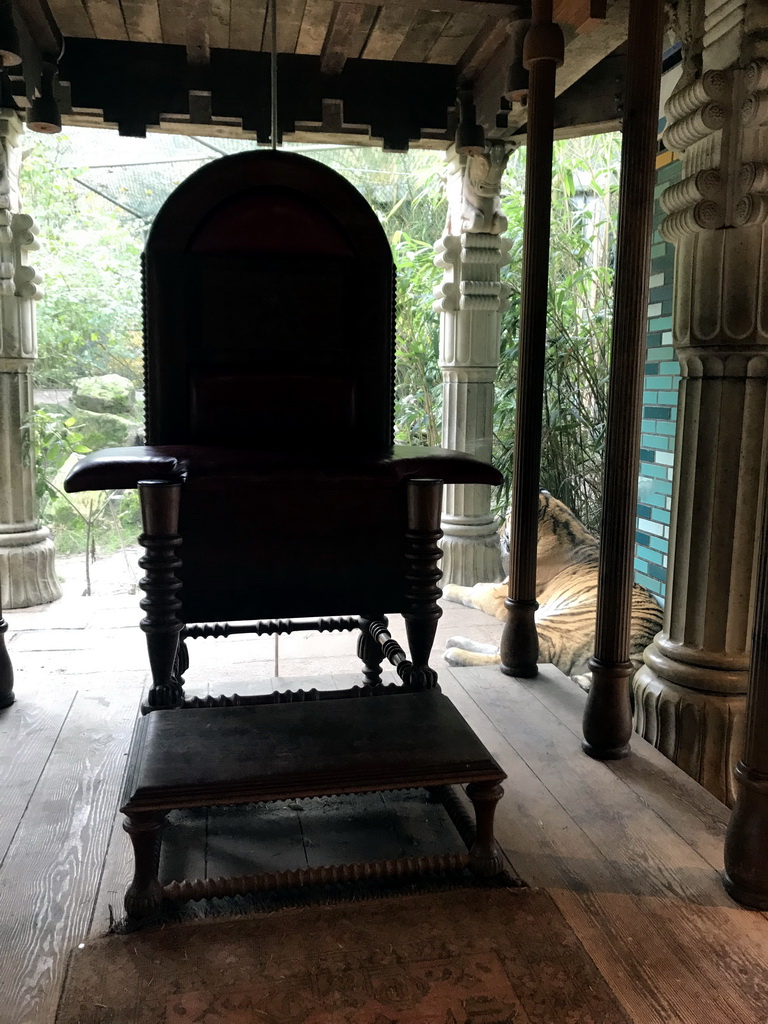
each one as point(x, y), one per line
point(662, 376)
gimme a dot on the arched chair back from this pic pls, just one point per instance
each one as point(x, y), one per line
point(269, 311)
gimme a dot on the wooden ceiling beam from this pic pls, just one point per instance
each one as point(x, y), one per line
point(42, 27)
point(493, 7)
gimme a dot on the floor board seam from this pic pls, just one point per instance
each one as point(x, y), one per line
point(40, 774)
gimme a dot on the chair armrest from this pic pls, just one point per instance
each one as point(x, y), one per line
point(444, 464)
point(122, 468)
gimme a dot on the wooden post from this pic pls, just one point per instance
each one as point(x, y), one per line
point(746, 842)
point(542, 54)
point(6, 668)
point(608, 716)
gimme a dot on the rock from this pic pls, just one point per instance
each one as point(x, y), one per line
point(106, 430)
point(110, 393)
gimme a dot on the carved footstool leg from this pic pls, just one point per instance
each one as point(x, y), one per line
point(484, 855)
point(143, 896)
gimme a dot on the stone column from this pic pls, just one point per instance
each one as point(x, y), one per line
point(470, 301)
point(690, 697)
point(27, 574)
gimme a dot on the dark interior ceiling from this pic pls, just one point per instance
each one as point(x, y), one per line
point(369, 73)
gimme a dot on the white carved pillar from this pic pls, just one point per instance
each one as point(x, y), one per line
point(690, 697)
point(470, 301)
point(27, 575)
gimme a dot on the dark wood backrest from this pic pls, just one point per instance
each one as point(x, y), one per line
point(269, 311)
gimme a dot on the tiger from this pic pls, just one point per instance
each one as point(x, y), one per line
point(566, 590)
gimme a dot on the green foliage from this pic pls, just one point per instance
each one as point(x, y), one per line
point(86, 522)
point(579, 322)
point(418, 396)
point(90, 319)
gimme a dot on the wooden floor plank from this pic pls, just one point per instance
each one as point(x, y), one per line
point(544, 844)
point(51, 875)
point(698, 817)
point(650, 855)
point(28, 732)
point(117, 874)
point(667, 961)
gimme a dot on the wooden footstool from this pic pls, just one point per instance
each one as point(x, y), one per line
point(238, 755)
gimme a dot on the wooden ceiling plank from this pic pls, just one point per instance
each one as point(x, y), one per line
point(107, 19)
point(72, 19)
point(389, 31)
point(343, 29)
point(314, 27)
point(172, 22)
point(246, 24)
point(423, 34)
point(359, 38)
point(289, 17)
point(218, 23)
point(456, 38)
point(142, 20)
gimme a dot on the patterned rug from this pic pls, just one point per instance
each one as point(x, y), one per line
point(461, 957)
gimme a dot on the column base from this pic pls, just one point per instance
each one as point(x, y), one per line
point(471, 550)
point(27, 569)
point(702, 733)
point(746, 872)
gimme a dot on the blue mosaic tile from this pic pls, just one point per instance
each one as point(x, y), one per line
point(657, 412)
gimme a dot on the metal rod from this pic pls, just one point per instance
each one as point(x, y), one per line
point(542, 54)
point(273, 72)
point(608, 716)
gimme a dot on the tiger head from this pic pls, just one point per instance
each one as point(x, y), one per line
point(562, 539)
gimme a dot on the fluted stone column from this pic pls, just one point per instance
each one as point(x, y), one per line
point(27, 575)
point(470, 301)
point(690, 697)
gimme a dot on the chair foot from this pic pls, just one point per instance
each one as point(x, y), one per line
point(144, 894)
point(485, 857)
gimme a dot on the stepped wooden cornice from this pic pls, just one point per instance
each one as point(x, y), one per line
point(348, 71)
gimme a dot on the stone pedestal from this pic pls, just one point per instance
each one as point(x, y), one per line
point(470, 301)
point(690, 697)
point(27, 575)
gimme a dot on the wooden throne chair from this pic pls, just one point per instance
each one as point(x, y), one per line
point(271, 491)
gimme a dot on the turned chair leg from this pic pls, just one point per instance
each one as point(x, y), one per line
point(143, 896)
point(369, 651)
point(485, 857)
point(161, 623)
point(422, 592)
